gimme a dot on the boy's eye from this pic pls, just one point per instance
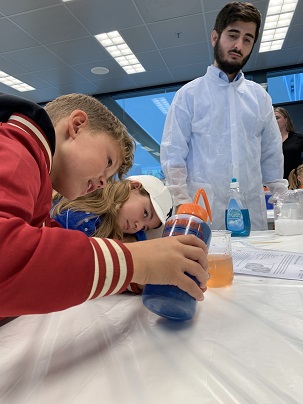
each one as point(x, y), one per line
point(145, 214)
point(109, 162)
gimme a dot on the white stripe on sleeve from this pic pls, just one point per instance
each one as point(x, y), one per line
point(123, 265)
point(96, 274)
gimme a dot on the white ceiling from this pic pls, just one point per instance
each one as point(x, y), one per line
point(50, 44)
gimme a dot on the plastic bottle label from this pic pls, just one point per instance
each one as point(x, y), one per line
point(183, 225)
point(234, 219)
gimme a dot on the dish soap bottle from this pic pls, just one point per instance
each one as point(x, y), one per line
point(169, 301)
point(237, 215)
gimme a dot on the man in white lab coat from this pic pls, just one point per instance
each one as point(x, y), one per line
point(222, 126)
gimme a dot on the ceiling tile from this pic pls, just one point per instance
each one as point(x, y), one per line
point(294, 37)
point(268, 59)
point(151, 60)
point(32, 80)
point(297, 18)
point(138, 39)
point(10, 67)
point(213, 5)
point(43, 95)
point(15, 38)
point(51, 24)
point(153, 11)
point(114, 68)
point(35, 59)
point(190, 55)
point(9, 7)
point(104, 16)
point(79, 50)
point(57, 77)
point(178, 31)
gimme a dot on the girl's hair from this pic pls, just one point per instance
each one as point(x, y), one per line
point(104, 202)
point(238, 11)
point(294, 183)
point(100, 118)
point(289, 125)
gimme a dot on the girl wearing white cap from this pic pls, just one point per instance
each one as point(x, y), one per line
point(128, 207)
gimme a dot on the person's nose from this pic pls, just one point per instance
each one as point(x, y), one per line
point(139, 225)
point(239, 44)
point(101, 182)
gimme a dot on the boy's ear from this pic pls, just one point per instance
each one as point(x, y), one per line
point(76, 119)
point(214, 38)
point(135, 184)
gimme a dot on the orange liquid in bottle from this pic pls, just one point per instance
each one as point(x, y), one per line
point(220, 268)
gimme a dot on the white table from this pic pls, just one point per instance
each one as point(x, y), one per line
point(245, 345)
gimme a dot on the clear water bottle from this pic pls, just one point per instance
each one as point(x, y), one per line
point(170, 301)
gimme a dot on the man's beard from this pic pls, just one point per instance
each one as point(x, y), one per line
point(224, 65)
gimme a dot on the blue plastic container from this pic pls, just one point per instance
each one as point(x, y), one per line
point(169, 301)
point(269, 206)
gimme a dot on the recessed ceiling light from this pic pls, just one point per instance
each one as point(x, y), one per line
point(99, 70)
point(278, 19)
point(120, 51)
point(147, 148)
point(14, 83)
point(162, 104)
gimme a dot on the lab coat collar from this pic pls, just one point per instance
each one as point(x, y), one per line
point(221, 78)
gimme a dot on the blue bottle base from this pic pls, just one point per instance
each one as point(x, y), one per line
point(171, 309)
point(239, 231)
point(244, 233)
point(169, 302)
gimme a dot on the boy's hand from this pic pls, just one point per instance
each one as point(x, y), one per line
point(163, 261)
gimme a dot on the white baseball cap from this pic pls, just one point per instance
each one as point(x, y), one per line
point(159, 195)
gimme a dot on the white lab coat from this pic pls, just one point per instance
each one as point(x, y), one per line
point(216, 130)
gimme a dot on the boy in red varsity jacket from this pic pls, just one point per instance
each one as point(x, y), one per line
point(73, 146)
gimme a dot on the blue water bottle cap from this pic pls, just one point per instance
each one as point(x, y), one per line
point(234, 183)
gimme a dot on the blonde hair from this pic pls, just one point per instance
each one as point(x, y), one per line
point(293, 181)
point(100, 118)
point(105, 202)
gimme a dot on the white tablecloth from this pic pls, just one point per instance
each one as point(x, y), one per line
point(245, 345)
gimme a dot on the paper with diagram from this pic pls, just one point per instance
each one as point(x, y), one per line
point(269, 263)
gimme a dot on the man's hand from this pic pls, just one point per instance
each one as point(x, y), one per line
point(163, 261)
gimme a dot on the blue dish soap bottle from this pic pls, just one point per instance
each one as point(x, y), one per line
point(237, 218)
point(166, 300)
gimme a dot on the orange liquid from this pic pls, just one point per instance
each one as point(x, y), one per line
point(220, 268)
